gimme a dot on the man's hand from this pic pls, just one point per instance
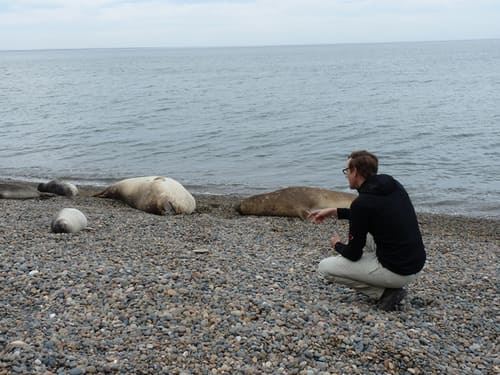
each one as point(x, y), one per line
point(318, 216)
point(335, 238)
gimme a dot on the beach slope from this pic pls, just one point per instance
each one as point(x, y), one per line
point(216, 292)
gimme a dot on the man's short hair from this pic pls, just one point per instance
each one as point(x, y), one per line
point(365, 162)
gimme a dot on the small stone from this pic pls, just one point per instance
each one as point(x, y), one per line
point(359, 346)
point(200, 251)
point(17, 344)
point(475, 347)
point(49, 361)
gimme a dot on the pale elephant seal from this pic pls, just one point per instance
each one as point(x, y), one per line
point(18, 191)
point(294, 201)
point(154, 194)
point(59, 187)
point(68, 220)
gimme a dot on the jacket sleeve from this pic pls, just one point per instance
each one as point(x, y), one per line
point(358, 230)
point(343, 213)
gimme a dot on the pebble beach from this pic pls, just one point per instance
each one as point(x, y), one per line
point(215, 292)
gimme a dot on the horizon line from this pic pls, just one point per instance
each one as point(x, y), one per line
point(252, 45)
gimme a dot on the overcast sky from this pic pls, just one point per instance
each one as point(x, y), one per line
point(34, 24)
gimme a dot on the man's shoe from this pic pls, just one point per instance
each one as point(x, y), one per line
point(391, 298)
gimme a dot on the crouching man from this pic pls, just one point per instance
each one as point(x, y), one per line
point(385, 251)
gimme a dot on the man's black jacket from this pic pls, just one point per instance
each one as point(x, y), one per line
point(384, 209)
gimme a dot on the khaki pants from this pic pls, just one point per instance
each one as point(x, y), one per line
point(366, 275)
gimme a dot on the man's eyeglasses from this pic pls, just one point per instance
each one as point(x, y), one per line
point(345, 170)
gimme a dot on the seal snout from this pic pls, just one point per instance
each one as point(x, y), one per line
point(60, 226)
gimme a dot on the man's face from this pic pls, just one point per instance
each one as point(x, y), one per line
point(351, 175)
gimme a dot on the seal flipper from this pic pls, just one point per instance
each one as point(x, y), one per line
point(106, 193)
point(47, 195)
point(162, 209)
point(170, 209)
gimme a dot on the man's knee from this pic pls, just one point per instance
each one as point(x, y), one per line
point(327, 267)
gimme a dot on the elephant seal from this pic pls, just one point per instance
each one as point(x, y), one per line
point(59, 187)
point(68, 220)
point(153, 194)
point(18, 191)
point(295, 201)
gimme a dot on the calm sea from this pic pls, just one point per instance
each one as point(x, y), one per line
point(247, 120)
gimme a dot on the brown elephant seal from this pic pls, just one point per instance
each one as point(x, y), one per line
point(68, 220)
point(18, 191)
point(154, 194)
point(59, 187)
point(294, 201)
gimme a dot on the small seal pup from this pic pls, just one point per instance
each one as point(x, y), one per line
point(59, 187)
point(18, 191)
point(295, 201)
point(68, 220)
point(153, 194)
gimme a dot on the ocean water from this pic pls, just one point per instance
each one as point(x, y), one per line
point(247, 120)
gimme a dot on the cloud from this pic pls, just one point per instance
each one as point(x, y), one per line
point(115, 23)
